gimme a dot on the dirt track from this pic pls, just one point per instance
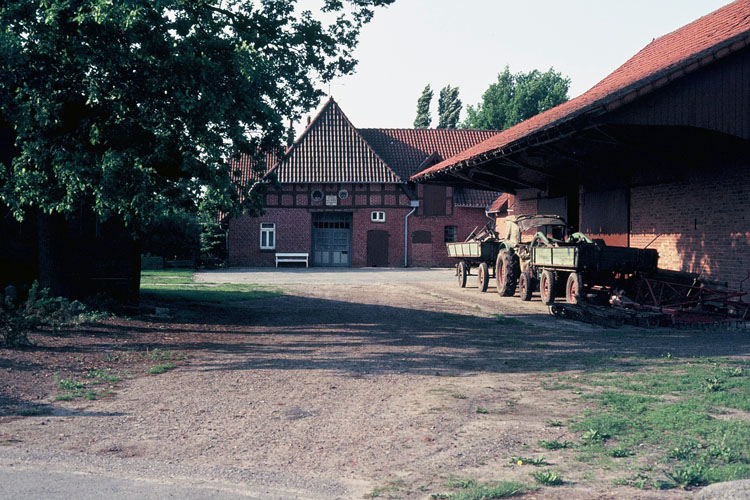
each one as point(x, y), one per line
point(340, 386)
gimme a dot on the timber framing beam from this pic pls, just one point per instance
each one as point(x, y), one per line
point(503, 178)
point(506, 188)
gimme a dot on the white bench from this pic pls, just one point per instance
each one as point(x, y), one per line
point(292, 257)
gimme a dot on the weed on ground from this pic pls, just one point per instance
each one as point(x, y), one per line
point(471, 489)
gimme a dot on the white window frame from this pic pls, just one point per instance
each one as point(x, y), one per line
point(377, 216)
point(267, 229)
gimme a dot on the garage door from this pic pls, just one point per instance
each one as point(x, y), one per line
point(332, 239)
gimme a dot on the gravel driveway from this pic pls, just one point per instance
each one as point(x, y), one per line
point(352, 382)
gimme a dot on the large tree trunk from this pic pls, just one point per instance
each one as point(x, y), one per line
point(53, 261)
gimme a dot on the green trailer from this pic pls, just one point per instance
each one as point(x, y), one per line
point(586, 267)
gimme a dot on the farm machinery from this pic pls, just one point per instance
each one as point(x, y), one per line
point(600, 283)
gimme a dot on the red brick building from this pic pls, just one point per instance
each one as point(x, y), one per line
point(657, 154)
point(345, 198)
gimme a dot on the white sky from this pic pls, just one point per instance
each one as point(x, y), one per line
point(466, 43)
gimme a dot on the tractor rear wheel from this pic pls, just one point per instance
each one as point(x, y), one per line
point(506, 273)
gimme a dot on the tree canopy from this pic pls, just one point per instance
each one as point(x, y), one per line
point(136, 105)
point(517, 97)
point(449, 107)
point(424, 118)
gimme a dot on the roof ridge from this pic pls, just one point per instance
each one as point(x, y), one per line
point(315, 123)
point(356, 131)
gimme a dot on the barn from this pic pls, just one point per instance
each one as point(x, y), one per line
point(655, 155)
point(345, 198)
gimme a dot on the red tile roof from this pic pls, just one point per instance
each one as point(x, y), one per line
point(331, 150)
point(667, 58)
point(242, 169)
point(473, 198)
point(405, 150)
point(499, 205)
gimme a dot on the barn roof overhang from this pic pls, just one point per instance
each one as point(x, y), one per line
point(596, 153)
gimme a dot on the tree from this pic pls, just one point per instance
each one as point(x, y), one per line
point(449, 107)
point(424, 119)
point(134, 105)
point(515, 98)
point(133, 108)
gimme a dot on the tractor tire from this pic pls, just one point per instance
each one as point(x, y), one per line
point(484, 276)
point(462, 273)
point(547, 287)
point(506, 273)
point(573, 288)
point(525, 286)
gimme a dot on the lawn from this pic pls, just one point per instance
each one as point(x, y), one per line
point(176, 286)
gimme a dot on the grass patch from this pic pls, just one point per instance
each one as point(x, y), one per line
point(471, 489)
point(391, 489)
point(555, 444)
point(33, 411)
point(537, 462)
point(506, 321)
point(161, 368)
point(73, 389)
point(161, 355)
point(166, 276)
point(105, 376)
point(206, 293)
point(671, 414)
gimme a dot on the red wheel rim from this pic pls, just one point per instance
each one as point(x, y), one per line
point(572, 289)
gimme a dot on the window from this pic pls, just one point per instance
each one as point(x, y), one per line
point(343, 194)
point(377, 216)
point(434, 198)
point(451, 234)
point(267, 236)
point(317, 195)
point(421, 237)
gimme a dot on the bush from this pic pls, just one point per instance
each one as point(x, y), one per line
point(39, 310)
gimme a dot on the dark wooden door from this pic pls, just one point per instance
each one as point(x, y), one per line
point(605, 215)
point(377, 248)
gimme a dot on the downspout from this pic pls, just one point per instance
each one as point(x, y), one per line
point(414, 204)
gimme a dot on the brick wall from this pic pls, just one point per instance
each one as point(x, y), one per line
point(394, 224)
point(701, 224)
point(435, 253)
point(293, 233)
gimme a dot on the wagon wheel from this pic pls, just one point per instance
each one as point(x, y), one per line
point(462, 273)
point(484, 276)
point(525, 286)
point(506, 273)
point(573, 288)
point(547, 287)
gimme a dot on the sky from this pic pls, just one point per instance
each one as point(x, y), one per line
point(466, 43)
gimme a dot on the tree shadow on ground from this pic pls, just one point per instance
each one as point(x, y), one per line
point(298, 333)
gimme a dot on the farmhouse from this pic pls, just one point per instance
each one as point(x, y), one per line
point(655, 155)
point(345, 199)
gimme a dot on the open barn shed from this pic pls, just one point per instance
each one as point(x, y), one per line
point(657, 154)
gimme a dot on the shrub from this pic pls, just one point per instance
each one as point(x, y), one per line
point(39, 310)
